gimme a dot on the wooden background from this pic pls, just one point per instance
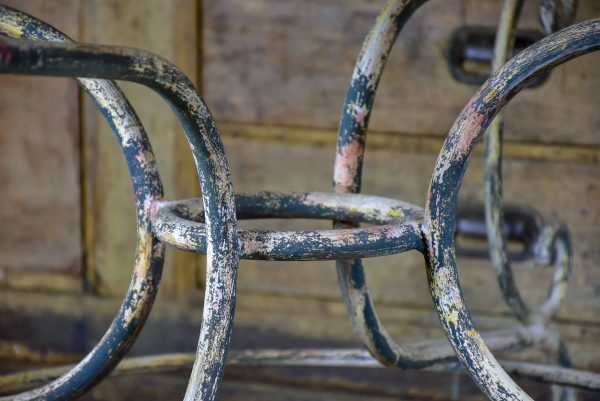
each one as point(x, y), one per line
point(274, 74)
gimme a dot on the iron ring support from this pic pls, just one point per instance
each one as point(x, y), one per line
point(222, 249)
point(181, 224)
point(347, 178)
point(149, 253)
point(450, 166)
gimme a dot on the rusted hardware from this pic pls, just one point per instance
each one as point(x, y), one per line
point(209, 225)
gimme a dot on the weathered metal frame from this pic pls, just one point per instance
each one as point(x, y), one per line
point(209, 225)
point(207, 148)
point(450, 167)
point(147, 186)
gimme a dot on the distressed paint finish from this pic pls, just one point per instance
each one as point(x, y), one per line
point(347, 177)
point(493, 203)
point(494, 214)
point(553, 244)
point(207, 148)
point(438, 226)
point(400, 226)
point(181, 224)
point(149, 253)
point(361, 92)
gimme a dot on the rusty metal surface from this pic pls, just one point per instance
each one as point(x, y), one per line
point(209, 225)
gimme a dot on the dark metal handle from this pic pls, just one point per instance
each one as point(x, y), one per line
point(521, 224)
point(471, 51)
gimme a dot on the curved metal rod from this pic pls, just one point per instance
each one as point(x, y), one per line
point(347, 178)
point(553, 245)
point(494, 213)
point(181, 224)
point(350, 358)
point(24, 57)
point(149, 252)
point(438, 227)
point(500, 341)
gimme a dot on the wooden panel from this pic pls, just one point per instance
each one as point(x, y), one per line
point(168, 29)
point(289, 62)
point(39, 166)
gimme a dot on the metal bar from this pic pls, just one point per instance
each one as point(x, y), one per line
point(210, 225)
point(437, 350)
point(553, 244)
point(181, 224)
point(494, 213)
point(451, 164)
point(18, 56)
point(328, 358)
point(147, 187)
point(347, 174)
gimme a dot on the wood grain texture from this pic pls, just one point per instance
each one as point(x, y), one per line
point(289, 62)
point(39, 165)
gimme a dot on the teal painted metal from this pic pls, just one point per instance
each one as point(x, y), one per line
point(209, 225)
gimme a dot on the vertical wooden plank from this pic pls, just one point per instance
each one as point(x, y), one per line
point(168, 29)
point(39, 169)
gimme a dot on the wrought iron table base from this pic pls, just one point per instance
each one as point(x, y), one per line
point(209, 225)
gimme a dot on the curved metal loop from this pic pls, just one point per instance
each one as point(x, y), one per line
point(347, 178)
point(438, 227)
point(553, 244)
point(147, 187)
point(89, 61)
point(494, 212)
point(181, 224)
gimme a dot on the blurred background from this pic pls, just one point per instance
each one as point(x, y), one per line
point(274, 74)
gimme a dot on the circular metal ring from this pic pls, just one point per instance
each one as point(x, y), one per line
point(553, 247)
point(91, 61)
point(181, 224)
point(450, 167)
point(147, 270)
